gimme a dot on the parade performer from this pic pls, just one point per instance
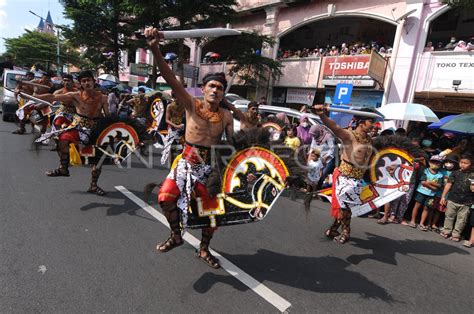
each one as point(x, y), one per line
point(139, 106)
point(206, 122)
point(90, 105)
point(348, 177)
point(64, 115)
point(250, 119)
point(175, 121)
point(31, 87)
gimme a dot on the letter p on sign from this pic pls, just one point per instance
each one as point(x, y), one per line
point(342, 95)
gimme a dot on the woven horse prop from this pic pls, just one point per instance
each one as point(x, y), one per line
point(246, 187)
point(387, 177)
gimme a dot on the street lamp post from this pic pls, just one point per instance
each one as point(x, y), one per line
point(58, 70)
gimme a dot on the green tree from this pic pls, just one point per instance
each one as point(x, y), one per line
point(40, 48)
point(102, 26)
point(248, 62)
point(182, 15)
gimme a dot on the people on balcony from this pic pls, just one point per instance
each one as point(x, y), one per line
point(356, 48)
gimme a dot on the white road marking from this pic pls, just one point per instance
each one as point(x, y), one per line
point(274, 299)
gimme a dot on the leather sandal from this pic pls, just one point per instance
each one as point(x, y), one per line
point(96, 190)
point(59, 172)
point(209, 259)
point(169, 244)
point(343, 238)
point(19, 131)
point(330, 233)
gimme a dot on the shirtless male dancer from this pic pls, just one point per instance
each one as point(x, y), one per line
point(38, 86)
point(91, 105)
point(356, 154)
point(64, 114)
point(205, 124)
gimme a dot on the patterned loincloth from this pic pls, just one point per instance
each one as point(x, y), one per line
point(347, 191)
point(67, 112)
point(170, 138)
point(186, 175)
point(81, 124)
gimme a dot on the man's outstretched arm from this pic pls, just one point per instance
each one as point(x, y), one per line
point(153, 37)
point(66, 99)
point(322, 112)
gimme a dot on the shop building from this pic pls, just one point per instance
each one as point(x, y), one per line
point(399, 70)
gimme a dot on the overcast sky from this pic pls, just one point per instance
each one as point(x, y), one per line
point(15, 16)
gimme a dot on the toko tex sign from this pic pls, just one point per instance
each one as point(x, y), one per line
point(438, 70)
point(360, 70)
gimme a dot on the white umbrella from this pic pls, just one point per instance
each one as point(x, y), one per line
point(408, 112)
point(108, 77)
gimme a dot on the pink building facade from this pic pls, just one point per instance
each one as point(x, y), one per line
point(403, 26)
point(400, 69)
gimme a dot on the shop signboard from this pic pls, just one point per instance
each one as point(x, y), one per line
point(438, 70)
point(300, 96)
point(343, 94)
point(139, 69)
point(359, 98)
point(189, 71)
point(301, 72)
point(377, 67)
point(359, 70)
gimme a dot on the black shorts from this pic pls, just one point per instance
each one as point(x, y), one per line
point(423, 199)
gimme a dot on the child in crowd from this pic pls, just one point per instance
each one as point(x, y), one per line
point(315, 168)
point(430, 182)
point(461, 198)
point(450, 164)
point(291, 140)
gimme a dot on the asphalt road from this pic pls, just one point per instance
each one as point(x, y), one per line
point(65, 251)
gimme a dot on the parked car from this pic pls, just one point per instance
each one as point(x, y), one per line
point(8, 100)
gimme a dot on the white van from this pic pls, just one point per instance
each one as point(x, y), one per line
point(8, 100)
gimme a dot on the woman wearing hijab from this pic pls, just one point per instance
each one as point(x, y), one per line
point(302, 131)
point(281, 116)
point(323, 140)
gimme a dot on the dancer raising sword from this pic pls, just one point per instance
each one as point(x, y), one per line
point(206, 122)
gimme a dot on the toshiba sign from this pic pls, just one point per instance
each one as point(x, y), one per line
point(346, 66)
point(356, 70)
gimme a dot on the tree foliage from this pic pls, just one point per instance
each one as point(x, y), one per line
point(245, 55)
point(103, 27)
point(108, 26)
point(183, 14)
point(40, 48)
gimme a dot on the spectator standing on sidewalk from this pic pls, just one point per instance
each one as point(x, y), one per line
point(461, 198)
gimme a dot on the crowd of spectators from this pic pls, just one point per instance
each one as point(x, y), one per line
point(357, 48)
point(453, 45)
point(441, 194)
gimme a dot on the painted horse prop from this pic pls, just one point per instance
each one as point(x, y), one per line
point(388, 176)
point(246, 188)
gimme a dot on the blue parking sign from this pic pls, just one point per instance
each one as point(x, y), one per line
point(342, 94)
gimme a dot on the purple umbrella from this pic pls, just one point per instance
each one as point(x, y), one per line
point(437, 125)
point(170, 56)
